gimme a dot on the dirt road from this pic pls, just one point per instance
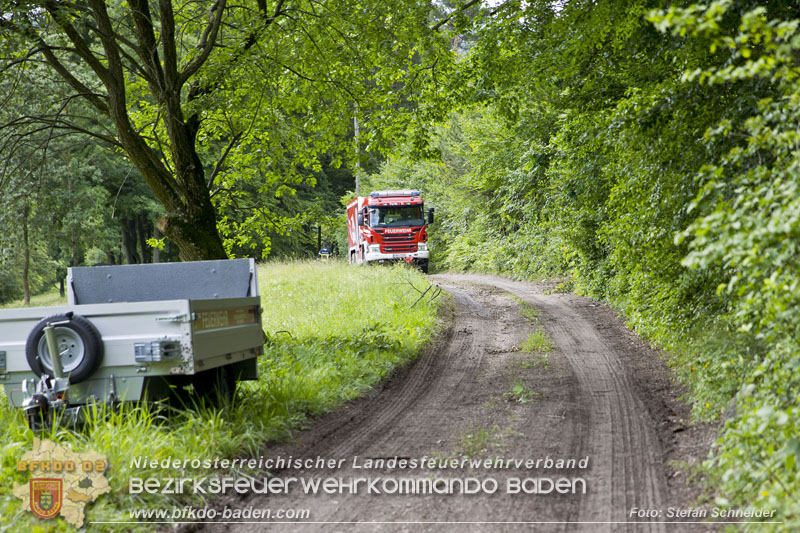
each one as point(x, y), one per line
point(489, 389)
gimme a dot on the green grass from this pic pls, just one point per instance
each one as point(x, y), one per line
point(527, 310)
point(333, 330)
point(520, 392)
point(45, 299)
point(477, 440)
point(535, 362)
point(537, 342)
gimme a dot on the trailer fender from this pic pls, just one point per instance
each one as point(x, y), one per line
point(79, 342)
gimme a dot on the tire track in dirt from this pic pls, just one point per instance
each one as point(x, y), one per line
point(584, 406)
point(460, 360)
point(621, 441)
point(418, 383)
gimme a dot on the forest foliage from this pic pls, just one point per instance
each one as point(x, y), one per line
point(224, 110)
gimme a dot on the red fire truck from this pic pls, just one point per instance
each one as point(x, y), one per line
point(388, 226)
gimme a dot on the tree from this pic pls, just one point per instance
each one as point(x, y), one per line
point(187, 86)
point(117, 50)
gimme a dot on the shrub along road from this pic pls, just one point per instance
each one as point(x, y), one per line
point(519, 374)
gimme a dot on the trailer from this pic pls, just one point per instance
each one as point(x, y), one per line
point(133, 333)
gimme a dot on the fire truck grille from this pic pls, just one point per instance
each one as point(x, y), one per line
point(400, 249)
point(398, 238)
point(399, 243)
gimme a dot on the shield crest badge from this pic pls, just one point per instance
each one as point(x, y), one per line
point(46, 497)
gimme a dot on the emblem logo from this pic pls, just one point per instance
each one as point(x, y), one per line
point(46, 496)
point(72, 481)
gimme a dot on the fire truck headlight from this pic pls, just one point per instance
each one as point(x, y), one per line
point(422, 247)
point(374, 248)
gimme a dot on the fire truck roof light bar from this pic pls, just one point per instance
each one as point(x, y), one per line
point(384, 194)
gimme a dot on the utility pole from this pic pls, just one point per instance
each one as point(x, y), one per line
point(358, 162)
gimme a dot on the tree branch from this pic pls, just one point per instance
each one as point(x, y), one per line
point(228, 148)
point(81, 47)
point(171, 75)
point(97, 100)
point(147, 48)
point(461, 9)
point(207, 42)
point(55, 121)
point(47, 51)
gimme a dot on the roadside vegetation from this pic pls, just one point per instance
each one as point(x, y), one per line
point(333, 331)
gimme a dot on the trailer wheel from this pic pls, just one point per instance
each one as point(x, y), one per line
point(79, 344)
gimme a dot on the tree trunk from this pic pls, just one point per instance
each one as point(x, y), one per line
point(142, 229)
point(26, 255)
point(74, 246)
point(190, 219)
point(129, 241)
point(156, 251)
point(75, 260)
point(192, 224)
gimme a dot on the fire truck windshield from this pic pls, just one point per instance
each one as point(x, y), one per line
point(396, 216)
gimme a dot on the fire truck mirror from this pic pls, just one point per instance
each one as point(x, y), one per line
point(360, 219)
point(430, 215)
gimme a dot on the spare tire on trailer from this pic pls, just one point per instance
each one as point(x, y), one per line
point(79, 343)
